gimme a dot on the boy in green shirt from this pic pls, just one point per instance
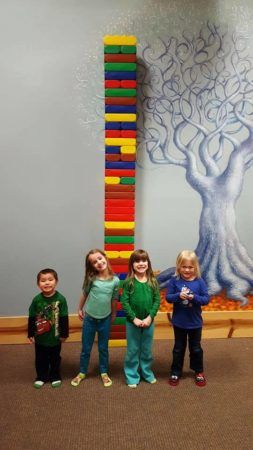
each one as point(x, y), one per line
point(48, 327)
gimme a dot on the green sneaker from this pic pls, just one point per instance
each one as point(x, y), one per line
point(38, 384)
point(56, 384)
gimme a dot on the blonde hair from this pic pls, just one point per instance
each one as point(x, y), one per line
point(90, 271)
point(141, 255)
point(191, 256)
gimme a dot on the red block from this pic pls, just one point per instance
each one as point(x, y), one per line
point(120, 101)
point(119, 173)
point(119, 218)
point(128, 84)
point(119, 247)
point(128, 133)
point(122, 203)
point(119, 210)
point(112, 84)
point(119, 308)
point(113, 134)
point(119, 268)
point(117, 335)
point(118, 327)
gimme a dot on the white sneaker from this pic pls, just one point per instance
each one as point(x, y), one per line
point(38, 384)
point(133, 386)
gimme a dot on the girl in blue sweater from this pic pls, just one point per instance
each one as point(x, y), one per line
point(188, 292)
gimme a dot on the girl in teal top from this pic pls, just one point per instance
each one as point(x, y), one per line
point(97, 310)
point(140, 301)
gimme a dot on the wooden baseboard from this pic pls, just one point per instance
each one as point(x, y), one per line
point(227, 324)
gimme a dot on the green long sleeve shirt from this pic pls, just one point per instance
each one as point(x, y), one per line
point(139, 300)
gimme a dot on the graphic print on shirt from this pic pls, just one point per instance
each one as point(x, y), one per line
point(47, 318)
point(187, 291)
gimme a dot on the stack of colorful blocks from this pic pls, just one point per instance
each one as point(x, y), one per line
point(120, 156)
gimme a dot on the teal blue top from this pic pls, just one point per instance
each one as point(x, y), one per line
point(100, 295)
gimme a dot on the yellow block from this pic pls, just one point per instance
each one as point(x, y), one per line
point(120, 141)
point(119, 40)
point(128, 149)
point(112, 254)
point(112, 180)
point(117, 342)
point(124, 225)
point(123, 254)
point(111, 117)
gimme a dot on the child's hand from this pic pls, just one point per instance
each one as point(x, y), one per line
point(137, 322)
point(31, 340)
point(183, 295)
point(147, 322)
point(81, 314)
point(191, 297)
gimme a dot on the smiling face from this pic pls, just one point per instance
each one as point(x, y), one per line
point(47, 284)
point(98, 262)
point(140, 267)
point(187, 270)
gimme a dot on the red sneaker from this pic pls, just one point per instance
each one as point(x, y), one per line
point(200, 379)
point(173, 380)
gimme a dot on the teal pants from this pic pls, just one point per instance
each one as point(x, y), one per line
point(138, 359)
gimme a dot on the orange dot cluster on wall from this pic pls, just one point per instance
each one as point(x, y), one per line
point(120, 158)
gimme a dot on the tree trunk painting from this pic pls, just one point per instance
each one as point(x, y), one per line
point(196, 111)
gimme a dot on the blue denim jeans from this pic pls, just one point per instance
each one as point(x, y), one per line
point(138, 359)
point(90, 327)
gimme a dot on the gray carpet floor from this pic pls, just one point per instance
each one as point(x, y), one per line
point(219, 416)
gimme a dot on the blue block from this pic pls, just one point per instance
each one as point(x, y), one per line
point(120, 165)
point(121, 313)
point(112, 150)
point(128, 125)
point(121, 276)
point(112, 125)
point(120, 109)
point(120, 75)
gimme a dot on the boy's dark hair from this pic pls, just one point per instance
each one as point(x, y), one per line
point(44, 271)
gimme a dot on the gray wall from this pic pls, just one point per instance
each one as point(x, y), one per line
point(51, 139)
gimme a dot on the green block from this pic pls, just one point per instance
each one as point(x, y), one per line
point(128, 48)
point(119, 321)
point(120, 67)
point(119, 239)
point(112, 49)
point(120, 92)
point(127, 180)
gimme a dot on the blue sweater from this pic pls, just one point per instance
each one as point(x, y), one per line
point(187, 313)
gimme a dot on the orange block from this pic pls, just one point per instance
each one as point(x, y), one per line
point(112, 157)
point(120, 188)
point(119, 195)
point(118, 232)
point(126, 157)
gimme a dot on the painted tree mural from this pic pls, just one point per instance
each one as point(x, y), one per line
point(196, 112)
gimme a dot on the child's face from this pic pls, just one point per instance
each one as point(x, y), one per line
point(140, 267)
point(187, 270)
point(47, 284)
point(98, 262)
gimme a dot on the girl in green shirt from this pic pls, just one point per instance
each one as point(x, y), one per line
point(140, 301)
